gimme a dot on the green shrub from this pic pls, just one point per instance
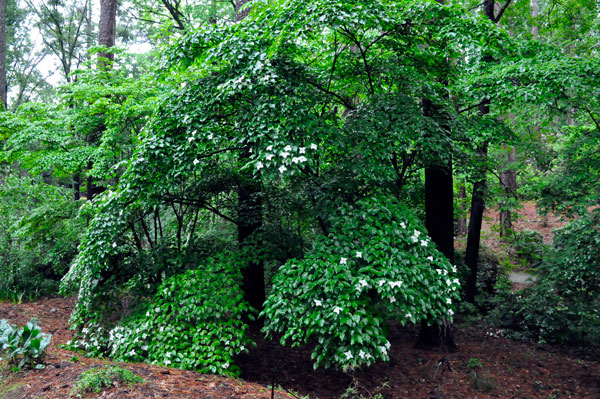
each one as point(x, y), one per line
point(529, 247)
point(95, 379)
point(563, 306)
point(194, 322)
point(377, 263)
point(23, 347)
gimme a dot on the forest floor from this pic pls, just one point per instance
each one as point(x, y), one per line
point(487, 365)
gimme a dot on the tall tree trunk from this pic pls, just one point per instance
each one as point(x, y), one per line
point(475, 222)
point(480, 184)
point(3, 85)
point(535, 12)
point(250, 215)
point(106, 37)
point(461, 223)
point(439, 221)
point(508, 178)
point(106, 30)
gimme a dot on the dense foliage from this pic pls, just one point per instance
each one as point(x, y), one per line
point(376, 264)
point(276, 159)
point(563, 306)
point(194, 321)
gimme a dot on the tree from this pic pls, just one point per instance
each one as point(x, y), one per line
point(3, 84)
point(61, 26)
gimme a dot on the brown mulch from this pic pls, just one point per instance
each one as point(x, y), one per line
point(509, 369)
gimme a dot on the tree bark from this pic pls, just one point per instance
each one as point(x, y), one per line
point(3, 85)
point(106, 30)
point(508, 178)
point(476, 220)
point(461, 223)
point(250, 216)
point(439, 221)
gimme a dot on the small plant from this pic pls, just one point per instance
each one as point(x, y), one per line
point(474, 363)
point(23, 346)
point(483, 382)
point(96, 379)
point(358, 391)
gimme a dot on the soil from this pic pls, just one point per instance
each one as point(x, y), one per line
point(486, 365)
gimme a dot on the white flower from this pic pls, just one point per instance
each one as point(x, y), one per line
point(313, 146)
point(337, 310)
point(455, 281)
point(167, 362)
point(302, 159)
point(395, 283)
point(318, 303)
point(383, 349)
point(449, 301)
point(282, 169)
point(157, 309)
point(362, 354)
point(423, 243)
point(450, 312)
point(348, 355)
point(409, 315)
point(210, 136)
point(448, 281)
point(430, 258)
point(295, 160)
point(439, 271)
point(302, 150)
point(363, 283)
point(381, 282)
point(403, 225)
point(387, 345)
point(284, 154)
point(114, 244)
point(270, 148)
point(259, 165)
point(358, 254)
point(196, 162)
point(416, 233)
point(288, 148)
point(190, 139)
point(343, 261)
point(453, 269)
point(445, 272)
point(269, 157)
point(392, 299)
point(226, 365)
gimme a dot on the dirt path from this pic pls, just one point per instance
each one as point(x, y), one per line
point(507, 369)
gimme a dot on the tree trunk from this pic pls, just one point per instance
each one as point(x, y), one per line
point(3, 85)
point(439, 221)
point(250, 216)
point(106, 30)
point(249, 221)
point(461, 223)
point(508, 178)
point(475, 222)
point(535, 12)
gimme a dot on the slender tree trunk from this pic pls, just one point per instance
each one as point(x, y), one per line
point(462, 219)
point(508, 178)
point(475, 221)
point(480, 185)
point(3, 85)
